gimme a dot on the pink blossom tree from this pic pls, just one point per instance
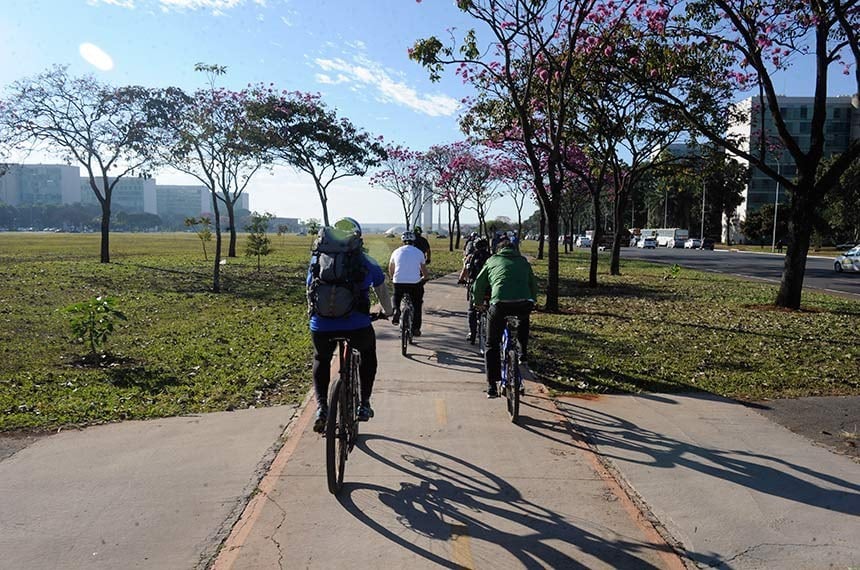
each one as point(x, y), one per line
point(403, 173)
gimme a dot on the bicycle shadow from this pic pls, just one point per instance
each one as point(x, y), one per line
point(453, 498)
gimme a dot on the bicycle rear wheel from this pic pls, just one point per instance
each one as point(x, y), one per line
point(512, 389)
point(482, 332)
point(336, 437)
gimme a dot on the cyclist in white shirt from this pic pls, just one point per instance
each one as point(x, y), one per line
point(408, 271)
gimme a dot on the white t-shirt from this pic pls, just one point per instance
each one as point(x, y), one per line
point(407, 260)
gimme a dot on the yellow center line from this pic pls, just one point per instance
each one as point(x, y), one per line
point(441, 412)
point(461, 548)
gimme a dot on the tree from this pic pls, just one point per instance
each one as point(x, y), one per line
point(301, 131)
point(208, 135)
point(403, 174)
point(720, 47)
point(258, 242)
point(102, 128)
point(841, 213)
point(758, 225)
point(203, 232)
point(525, 83)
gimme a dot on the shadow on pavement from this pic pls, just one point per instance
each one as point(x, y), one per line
point(453, 495)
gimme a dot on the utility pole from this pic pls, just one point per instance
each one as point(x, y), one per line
point(704, 191)
point(666, 208)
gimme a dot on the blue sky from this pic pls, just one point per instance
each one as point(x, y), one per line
point(353, 52)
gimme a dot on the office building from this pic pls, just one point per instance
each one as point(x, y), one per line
point(40, 185)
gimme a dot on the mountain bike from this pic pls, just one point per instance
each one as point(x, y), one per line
point(341, 429)
point(512, 382)
point(406, 315)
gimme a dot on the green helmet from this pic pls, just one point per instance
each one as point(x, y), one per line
point(417, 230)
point(348, 225)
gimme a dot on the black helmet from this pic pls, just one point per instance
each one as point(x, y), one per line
point(482, 243)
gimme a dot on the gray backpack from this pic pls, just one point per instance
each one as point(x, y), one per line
point(337, 273)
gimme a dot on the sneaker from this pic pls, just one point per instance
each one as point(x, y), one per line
point(319, 420)
point(395, 320)
point(416, 333)
point(365, 412)
point(492, 393)
point(524, 358)
point(470, 338)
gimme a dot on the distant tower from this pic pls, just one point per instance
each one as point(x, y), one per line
point(423, 215)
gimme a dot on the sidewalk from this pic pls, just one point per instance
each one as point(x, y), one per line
point(442, 479)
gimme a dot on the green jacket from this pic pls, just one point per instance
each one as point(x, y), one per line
point(509, 277)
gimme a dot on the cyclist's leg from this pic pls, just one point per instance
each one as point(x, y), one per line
point(495, 327)
point(473, 322)
point(364, 340)
point(524, 313)
point(398, 295)
point(417, 303)
point(324, 348)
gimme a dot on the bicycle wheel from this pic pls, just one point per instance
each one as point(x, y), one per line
point(512, 390)
point(336, 437)
point(482, 332)
point(404, 331)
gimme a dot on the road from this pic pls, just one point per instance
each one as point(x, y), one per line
point(764, 266)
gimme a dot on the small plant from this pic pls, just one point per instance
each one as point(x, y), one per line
point(93, 321)
point(258, 242)
point(204, 233)
point(672, 272)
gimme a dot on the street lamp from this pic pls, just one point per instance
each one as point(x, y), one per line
point(666, 208)
point(704, 190)
point(776, 205)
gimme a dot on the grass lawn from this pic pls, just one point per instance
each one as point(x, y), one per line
point(648, 331)
point(186, 350)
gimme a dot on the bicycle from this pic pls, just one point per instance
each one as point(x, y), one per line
point(341, 429)
point(512, 382)
point(406, 310)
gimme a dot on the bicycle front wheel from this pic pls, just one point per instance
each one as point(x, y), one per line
point(336, 437)
point(512, 389)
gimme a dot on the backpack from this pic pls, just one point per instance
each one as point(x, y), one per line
point(337, 273)
point(476, 262)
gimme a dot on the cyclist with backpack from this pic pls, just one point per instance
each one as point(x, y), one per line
point(339, 279)
point(472, 265)
point(510, 281)
point(408, 270)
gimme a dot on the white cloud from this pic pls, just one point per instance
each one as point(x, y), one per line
point(217, 6)
point(96, 56)
point(367, 73)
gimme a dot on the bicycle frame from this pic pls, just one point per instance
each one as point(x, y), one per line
point(342, 424)
point(511, 383)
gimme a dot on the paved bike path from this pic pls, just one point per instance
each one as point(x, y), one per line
point(442, 479)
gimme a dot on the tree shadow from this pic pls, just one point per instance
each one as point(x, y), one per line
point(454, 497)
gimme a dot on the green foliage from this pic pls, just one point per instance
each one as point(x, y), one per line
point(258, 243)
point(672, 272)
point(92, 321)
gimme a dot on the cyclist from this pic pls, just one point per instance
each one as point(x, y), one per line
point(513, 290)
point(356, 326)
point(472, 265)
point(408, 269)
point(422, 243)
point(469, 246)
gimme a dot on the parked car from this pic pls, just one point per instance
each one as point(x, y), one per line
point(583, 241)
point(848, 261)
point(707, 243)
point(647, 243)
point(693, 243)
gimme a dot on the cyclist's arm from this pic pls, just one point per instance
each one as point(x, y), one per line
point(479, 287)
point(424, 273)
point(384, 298)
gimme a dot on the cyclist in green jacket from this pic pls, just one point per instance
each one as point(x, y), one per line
point(513, 291)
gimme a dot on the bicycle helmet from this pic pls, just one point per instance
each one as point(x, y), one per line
point(482, 243)
point(407, 237)
point(417, 230)
point(348, 225)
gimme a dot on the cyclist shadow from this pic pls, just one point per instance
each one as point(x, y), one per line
point(447, 498)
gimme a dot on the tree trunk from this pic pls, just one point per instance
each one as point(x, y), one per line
point(450, 229)
point(542, 232)
point(105, 227)
point(457, 227)
point(595, 238)
point(231, 218)
point(799, 229)
point(617, 215)
point(552, 265)
point(216, 273)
